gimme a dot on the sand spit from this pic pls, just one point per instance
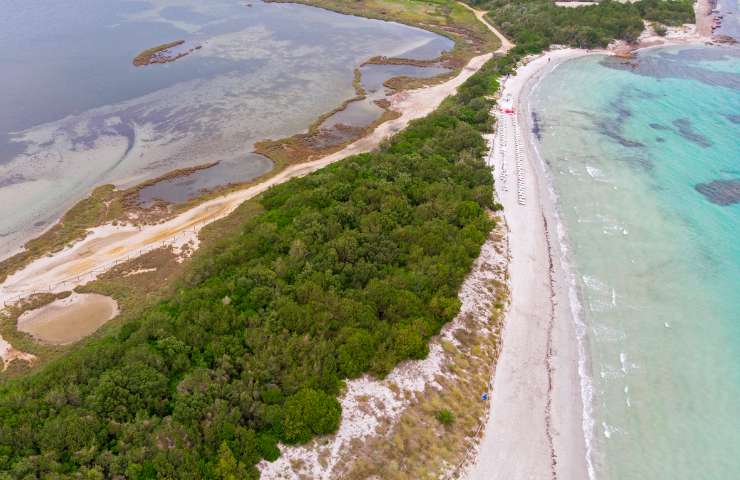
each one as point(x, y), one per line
point(108, 245)
point(69, 319)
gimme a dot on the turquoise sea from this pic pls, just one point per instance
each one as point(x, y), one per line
point(644, 157)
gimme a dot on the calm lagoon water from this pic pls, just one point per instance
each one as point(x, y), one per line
point(645, 160)
point(75, 113)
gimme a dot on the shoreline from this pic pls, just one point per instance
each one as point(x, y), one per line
point(81, 261)
point(273, 150)
point(535, 427)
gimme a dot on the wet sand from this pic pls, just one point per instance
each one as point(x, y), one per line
point(68, 320)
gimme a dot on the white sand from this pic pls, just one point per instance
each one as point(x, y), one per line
point(535, 426)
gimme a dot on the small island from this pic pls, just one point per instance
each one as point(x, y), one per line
point(162, 54)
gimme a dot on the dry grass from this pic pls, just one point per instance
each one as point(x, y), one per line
point(419, 446)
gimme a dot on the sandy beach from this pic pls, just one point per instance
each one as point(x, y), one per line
point(535, 427)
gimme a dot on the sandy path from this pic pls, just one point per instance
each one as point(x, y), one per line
point(108, 244)
point(535, 425)
point(506, 45)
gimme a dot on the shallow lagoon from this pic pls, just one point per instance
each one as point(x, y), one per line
point(76, 113)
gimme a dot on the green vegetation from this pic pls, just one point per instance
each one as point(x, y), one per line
point(667, 12)
point(534, 25)
point(155, 54)
point(348, 270)
point(445, 417)
point(416, 445)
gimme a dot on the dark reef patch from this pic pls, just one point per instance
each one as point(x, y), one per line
point(659, 139)
point(686, 130)
point(721, 192)
point(658, 126)
point(623, 141)
point(536, 126)
point(614, 127)
point(668, 65)
point(732, 118)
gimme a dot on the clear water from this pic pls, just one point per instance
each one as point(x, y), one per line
point(75, 112)
point(631, 151)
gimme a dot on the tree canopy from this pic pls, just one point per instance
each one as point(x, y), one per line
point(536, 24)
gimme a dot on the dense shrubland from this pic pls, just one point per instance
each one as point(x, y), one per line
point(536, 24)
point(348, 270)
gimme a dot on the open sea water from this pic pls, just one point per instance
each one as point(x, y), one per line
point(644, 157)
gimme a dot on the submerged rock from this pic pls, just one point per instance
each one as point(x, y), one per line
point(686, 130)
point(721, 192)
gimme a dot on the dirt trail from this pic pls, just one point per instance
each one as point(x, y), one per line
point(506, 45)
